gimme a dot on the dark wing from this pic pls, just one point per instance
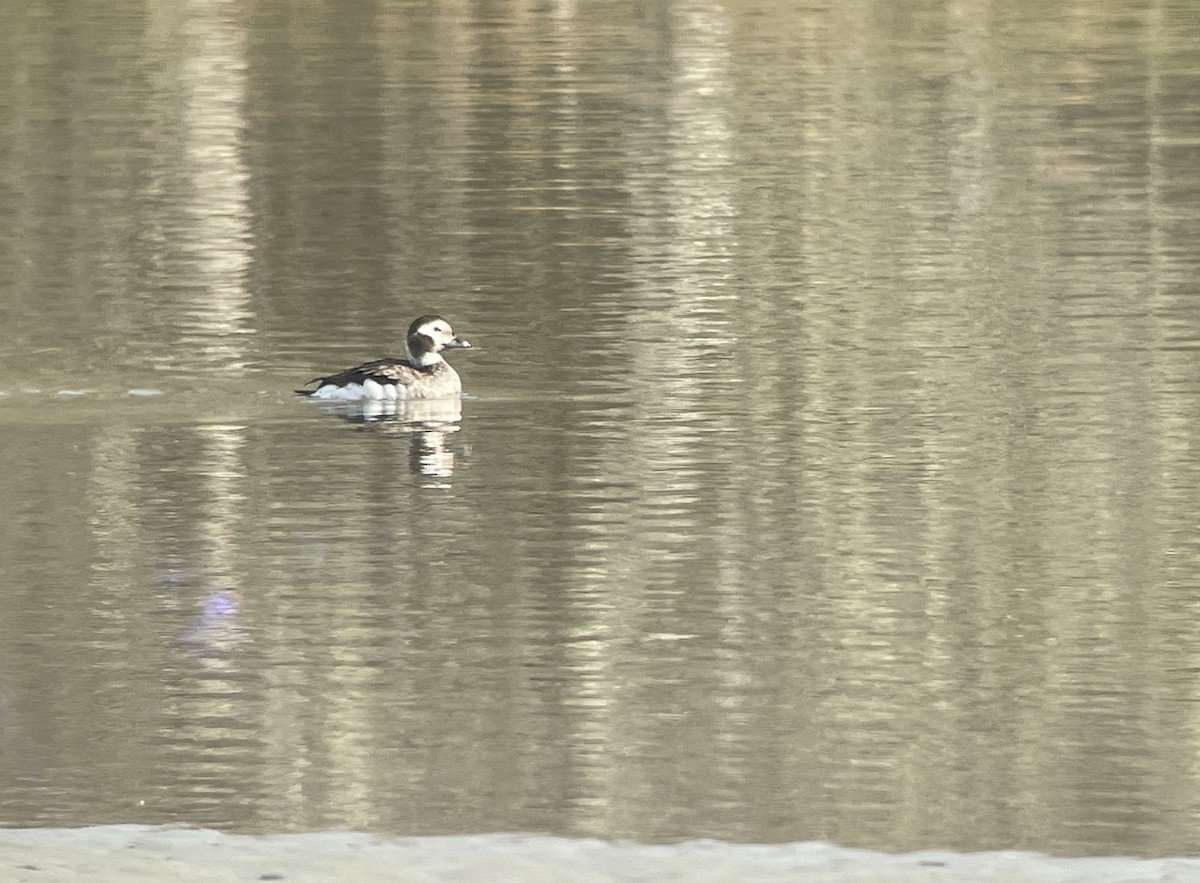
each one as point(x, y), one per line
point(386, 370)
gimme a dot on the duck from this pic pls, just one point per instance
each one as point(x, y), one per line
point(421, 374)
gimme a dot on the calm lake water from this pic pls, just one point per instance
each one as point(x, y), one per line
point(828, 463)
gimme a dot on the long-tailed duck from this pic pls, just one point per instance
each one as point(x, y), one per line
point(421, 374)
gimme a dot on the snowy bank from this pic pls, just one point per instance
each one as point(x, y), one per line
point(134, 853)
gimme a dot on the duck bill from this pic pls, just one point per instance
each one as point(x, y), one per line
point(457, 343)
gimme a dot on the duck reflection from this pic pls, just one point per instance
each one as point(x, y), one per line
point(427, 423)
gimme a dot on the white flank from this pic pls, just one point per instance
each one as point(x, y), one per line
point(379, 392)
point(351, 392)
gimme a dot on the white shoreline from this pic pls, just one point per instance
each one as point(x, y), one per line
point(134, 853)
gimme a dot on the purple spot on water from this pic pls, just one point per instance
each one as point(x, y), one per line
point(220, 604)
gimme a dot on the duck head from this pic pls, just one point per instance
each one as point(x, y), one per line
point(427, 337)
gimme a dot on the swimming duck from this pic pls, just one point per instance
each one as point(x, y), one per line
point(421, 374)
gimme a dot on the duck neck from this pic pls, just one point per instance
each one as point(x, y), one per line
point(423, 358)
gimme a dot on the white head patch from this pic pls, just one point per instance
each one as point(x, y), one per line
point(436, 332)
point(439, 331)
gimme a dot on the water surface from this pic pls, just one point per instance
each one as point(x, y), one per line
point(827, 465)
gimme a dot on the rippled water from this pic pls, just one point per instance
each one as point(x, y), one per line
point(827, 464)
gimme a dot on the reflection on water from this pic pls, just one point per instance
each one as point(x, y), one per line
point(828, 472)
point(406, 415)
point(215, 630)
point(426, 422)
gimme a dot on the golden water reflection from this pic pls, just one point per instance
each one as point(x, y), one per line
point(826, 470)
